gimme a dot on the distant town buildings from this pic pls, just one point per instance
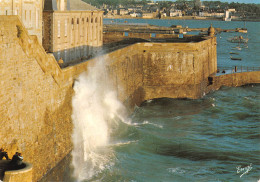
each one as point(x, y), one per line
point(195, 9)
point(174, 12)
point(228, 14)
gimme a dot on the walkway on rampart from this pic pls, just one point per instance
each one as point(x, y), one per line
point(235, 69)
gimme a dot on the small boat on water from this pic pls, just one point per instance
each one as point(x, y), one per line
point(238, 39)
point(237, 48)
point(237, 59)
point(234, 53)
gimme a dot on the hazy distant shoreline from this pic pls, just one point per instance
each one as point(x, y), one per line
point(180, 18)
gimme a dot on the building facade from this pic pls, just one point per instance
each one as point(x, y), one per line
point(70, 29)
point(73, 30)
point(29, 11)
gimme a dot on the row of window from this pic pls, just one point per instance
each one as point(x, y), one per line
point(87, 20)
point(66, 26)
point(27, 16)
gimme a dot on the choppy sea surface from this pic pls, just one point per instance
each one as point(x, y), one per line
point(203, 140)
point(213, 139)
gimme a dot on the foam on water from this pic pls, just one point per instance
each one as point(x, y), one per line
point(95, 110)
point(147, 123)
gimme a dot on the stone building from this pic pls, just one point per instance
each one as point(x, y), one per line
point(72, 29)
point(29, 11)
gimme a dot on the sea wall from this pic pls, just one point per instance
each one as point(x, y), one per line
point(36, 94)
point(178, 70)
point(234, 80)
point(35, 99)
point(119, 36)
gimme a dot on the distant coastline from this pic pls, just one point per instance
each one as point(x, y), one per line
point(180, 18)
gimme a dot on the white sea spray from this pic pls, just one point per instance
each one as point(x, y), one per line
point(95, 109)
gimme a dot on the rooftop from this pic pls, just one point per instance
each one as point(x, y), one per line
point(75, 5)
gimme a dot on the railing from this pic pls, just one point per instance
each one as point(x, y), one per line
point(236, 69)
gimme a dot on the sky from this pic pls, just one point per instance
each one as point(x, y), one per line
point(229, 1)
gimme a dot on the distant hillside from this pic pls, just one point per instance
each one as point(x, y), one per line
point(115, 3)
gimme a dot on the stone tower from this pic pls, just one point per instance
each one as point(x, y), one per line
point(211, 31)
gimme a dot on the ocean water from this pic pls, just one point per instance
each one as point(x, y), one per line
point(212, 139)
point(208, 139)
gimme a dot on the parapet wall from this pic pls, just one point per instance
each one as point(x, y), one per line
point(234, 80)
point(178, 70)
point(35, 94)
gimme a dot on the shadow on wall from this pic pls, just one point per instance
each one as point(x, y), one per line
point(80, 54)
point(56, 134)
point(137, 98)
point(61, 172)
point(76, 55)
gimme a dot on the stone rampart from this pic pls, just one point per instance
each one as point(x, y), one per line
point(35, 94)
point(234, 80)
point(35, 99)
point(118, 36)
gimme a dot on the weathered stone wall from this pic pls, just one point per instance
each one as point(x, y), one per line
point(234, 80)
point(177, 70)
point(35, 106)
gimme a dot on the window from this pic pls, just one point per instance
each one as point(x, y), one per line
point(6, 12)
point(36, 18)
point(82, 33)
point(58, 54)
point(58, 28)
point(65, 55)
point(95, 20)
point(87, 19)
point(77, 21)
point(66, 28)
point(126, 34)
point(30, 20)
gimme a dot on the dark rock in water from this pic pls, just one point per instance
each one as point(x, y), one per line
point(238, 59)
